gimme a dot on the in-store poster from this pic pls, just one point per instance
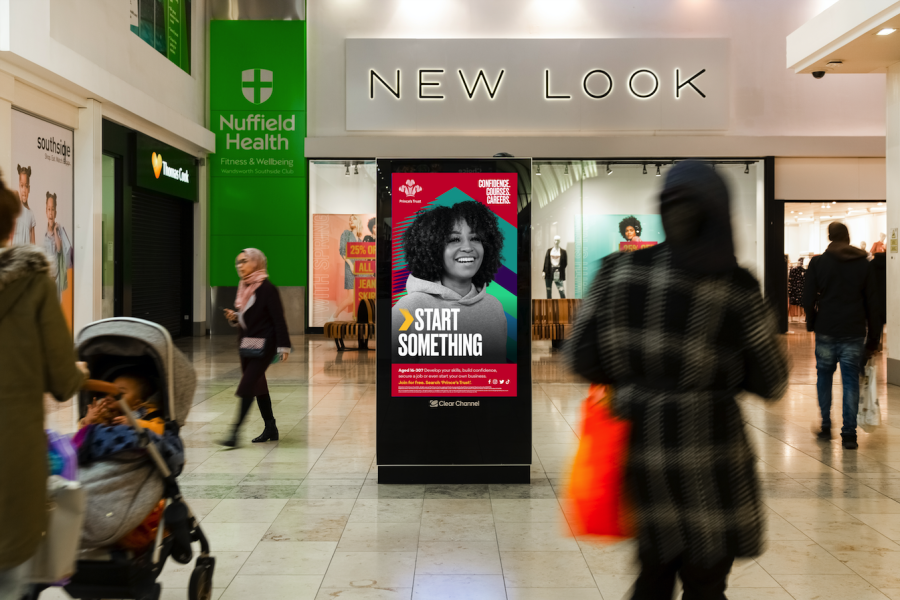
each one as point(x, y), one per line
point(42, 158)
point(343, 268)
point(446, 343)
point(601, 235)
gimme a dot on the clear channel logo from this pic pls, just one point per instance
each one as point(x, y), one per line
point(443, 403)
point(257, 85)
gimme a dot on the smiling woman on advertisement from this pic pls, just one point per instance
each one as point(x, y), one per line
point(453, 254)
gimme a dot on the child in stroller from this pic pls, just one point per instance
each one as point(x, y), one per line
point(126, 470)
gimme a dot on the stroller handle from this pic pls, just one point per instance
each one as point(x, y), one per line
point(95, 385)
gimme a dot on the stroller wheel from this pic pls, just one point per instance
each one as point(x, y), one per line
point(201, 582)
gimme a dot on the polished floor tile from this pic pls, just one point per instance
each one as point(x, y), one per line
point(304, 517)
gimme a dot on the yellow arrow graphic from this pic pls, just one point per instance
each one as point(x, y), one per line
point(408, 321)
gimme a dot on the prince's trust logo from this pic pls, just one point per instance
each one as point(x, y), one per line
point(410, 189)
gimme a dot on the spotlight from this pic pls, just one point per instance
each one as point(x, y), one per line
point(608, 170)
point(356, 169)
point(566, 172)
point(538, 173)
point(657, 171)
point(834, 201)
point(747, 169)
point(347, 170)
point(645, 169)
point(886, 31)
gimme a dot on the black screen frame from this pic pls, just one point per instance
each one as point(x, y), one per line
point(490, 443)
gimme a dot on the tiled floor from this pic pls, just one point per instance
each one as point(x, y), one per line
point(303, 518)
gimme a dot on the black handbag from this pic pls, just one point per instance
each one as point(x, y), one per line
point(252, 347)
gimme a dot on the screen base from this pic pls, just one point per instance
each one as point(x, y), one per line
point(454, 474)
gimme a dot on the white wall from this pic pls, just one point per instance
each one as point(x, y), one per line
point(830, 179)
point(86, 48)
point(766, 98)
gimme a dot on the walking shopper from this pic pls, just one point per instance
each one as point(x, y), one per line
point(37, 356)
point(262, 337)
point(839, 299)
point(679, 330)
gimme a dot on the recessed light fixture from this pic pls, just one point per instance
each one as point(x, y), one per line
point(886, 31)
point(792, 212)
point(881, 204)
point(834, 201)
point(801, 213)
point(538, 171)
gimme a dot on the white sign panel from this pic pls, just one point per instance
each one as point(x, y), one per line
point(42, 155)
point(537, 85)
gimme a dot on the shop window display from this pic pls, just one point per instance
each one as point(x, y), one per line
point(585, 210)
point(342, 240)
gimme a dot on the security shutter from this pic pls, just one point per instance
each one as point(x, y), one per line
point(162, 247)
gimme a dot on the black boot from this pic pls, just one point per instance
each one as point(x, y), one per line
point(848, 441)
point(269, 433)
point(231, 441)
point(824, 433)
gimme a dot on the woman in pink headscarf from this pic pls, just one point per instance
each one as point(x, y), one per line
point(262, 339)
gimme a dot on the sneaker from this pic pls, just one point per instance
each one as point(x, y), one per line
point(824, 434)
point(849, 442)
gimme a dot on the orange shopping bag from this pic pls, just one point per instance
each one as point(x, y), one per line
point(597, 488)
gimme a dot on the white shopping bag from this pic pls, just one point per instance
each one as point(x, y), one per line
point(869, 415)
point(55, 557)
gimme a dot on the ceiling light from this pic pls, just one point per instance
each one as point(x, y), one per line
point(538, 171)
point(645, 169)
point(747, 169)
point(657, 171)
point(881, 204)
point(347, 170)
point(801, 213)
point(608, 170)
point(886, 31)
point(566, 172)
point(792, 212)
point(356, 169)
point(834, 201)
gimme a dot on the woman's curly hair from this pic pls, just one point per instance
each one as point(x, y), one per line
point(426, 238)
point(632, 220)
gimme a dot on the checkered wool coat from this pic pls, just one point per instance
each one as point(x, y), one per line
point(678, 347)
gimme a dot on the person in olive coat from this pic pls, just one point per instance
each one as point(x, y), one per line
point(37, 355)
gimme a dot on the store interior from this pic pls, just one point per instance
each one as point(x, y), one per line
point(594, 207)
point(806, 235)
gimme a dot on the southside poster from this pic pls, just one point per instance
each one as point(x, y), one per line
point(43, 176)
point(453, 284)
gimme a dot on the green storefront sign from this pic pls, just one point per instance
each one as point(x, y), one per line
point(258, 173)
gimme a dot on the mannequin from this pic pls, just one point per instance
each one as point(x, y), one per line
point(555, 262)
point(878, 247)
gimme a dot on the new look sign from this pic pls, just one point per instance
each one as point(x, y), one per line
point(537, 85)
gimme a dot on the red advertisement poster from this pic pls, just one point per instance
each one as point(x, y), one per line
point(453, 284)
point(343, 252)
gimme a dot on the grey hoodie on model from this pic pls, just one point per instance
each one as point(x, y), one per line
point(479, 313)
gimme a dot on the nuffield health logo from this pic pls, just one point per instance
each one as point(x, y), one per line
point(256, 85)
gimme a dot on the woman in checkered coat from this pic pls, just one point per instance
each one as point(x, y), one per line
point(680, 330)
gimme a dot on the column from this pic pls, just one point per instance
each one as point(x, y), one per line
point(201, 278)
point(893, 222)
point(7, 91)
point(88, 165)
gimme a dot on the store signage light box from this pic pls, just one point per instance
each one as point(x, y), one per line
point(162, 168)
point(534, 85)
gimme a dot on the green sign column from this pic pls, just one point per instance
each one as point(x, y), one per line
point(258, 173)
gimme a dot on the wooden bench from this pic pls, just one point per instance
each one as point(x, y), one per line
point(553, 319)
point(363, 329)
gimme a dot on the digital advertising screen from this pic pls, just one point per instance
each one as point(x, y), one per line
point(453, 293)
point(453, 260)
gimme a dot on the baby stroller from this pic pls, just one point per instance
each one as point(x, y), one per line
point(108, 346)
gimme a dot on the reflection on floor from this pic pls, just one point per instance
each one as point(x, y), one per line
point(303, 518)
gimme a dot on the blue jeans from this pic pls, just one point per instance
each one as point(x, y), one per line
point(849, 352)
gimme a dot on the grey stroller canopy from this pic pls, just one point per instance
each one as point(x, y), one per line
point(122, 341)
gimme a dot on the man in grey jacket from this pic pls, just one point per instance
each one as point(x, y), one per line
point(838, 297)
